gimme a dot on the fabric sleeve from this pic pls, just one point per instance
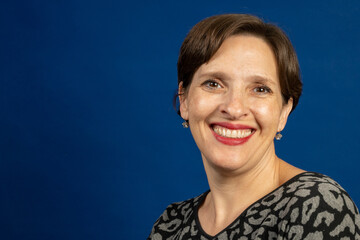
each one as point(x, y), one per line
point(166, 224)
point(326, 213)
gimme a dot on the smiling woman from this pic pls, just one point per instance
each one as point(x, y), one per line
point(238, 83)
point(239, 104)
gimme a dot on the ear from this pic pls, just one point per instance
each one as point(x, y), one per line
point(285, 112)
point(183, 102)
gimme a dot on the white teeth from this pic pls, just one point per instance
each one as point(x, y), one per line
point(239, 134)
point(224, 132)
point(233, 133)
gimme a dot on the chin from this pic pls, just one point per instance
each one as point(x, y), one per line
point(228, 163)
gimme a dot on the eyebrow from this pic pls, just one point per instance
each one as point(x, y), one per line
point(263, 79)
point(215, 74)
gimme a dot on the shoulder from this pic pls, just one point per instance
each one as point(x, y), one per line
point(318, 188)
point(320, 206)
point(175, 216)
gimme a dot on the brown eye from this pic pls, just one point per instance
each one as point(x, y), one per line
point(212, 84)
point(262, 89)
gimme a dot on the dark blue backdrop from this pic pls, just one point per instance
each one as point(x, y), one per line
point(90, 145)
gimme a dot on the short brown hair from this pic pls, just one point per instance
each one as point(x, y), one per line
point(206, 37)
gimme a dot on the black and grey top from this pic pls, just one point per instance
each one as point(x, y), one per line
point(308, 206)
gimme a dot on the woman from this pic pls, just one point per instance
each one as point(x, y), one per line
point(238, 82)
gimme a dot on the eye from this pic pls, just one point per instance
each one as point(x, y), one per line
point(211, 84)
point(262, 90)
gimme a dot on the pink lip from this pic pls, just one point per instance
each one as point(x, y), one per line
point(232, 141)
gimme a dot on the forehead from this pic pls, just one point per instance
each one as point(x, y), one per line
point(242, 54)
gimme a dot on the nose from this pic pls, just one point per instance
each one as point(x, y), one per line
point(235, 105)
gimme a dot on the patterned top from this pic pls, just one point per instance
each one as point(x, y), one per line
point(308, 206)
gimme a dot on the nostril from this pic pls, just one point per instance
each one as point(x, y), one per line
point(234, 110)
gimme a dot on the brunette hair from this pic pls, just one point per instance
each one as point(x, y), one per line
point(206, 37)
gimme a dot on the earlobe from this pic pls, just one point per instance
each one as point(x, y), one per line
point(285, 112)
point(183, 102)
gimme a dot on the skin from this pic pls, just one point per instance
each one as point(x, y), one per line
point(239, 85)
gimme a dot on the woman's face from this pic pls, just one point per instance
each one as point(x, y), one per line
point(234, 104)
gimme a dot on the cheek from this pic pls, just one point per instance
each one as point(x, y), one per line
point(262, 109)
point(266, 114)
point(200, 106)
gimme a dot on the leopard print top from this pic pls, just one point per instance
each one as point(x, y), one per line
point(308, 206)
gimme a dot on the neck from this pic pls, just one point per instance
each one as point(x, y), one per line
point(233, 191)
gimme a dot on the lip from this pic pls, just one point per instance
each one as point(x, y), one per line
point(231, 125)
point(232, 141)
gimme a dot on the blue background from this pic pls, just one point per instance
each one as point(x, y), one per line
point(91, 147)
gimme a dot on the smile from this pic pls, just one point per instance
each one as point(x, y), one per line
point(232, 133)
